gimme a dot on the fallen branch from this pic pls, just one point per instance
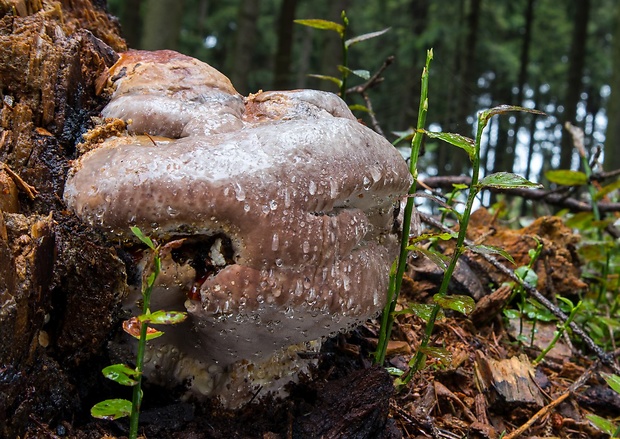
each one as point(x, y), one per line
point(550, 197)
point(606, 358)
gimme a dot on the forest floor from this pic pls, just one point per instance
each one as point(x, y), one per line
point(481, 382)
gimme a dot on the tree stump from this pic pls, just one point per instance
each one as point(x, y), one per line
point(60, 285)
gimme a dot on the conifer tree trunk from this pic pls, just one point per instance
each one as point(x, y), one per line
point(244, 44)
point(612, 136)
point(574, 84)
point(282, 70)
point(162, 24)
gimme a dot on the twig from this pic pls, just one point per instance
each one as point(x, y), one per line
point(371, 113)
point(373, 80)
point(546, 409)
point(605, 357)
point(31, 191)
point(550, 197)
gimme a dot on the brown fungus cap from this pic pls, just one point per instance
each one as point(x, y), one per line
point(301, 191)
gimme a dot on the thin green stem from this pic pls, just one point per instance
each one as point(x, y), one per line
point(418, 359)
point(396, 278)
point(136, 400)
point(345, 57)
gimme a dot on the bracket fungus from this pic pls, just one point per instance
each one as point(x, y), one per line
point(283, 200)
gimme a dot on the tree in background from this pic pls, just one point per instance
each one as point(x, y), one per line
point(539, 53)
point(612, 141)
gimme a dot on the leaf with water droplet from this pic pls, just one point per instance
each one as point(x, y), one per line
point(142, 237)
point(444, 236)
point(434, 256)
point(443, 355)
point(484, 249)
point(133, 325)
point(507, 180)
point(527, 275)
point(485, 115)
point(462, 304)
point(421, 310)
point(465, 143)
point(163, 317)
point(394, 371)
point(121, 374)
point(111, 409)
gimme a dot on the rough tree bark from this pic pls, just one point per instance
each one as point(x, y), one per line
point(55, 302)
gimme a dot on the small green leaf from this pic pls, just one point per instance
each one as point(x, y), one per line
point(322, 24)
point(164, 317)
point(436, 257)
point(613, 381)
point(142, 237)
point(359, 107)
point(512, 313)
point(361, 73)
point(581, 220)
point(421, 310)
point(394, 371)
point(457, 140)
point(350, 42)
point(444, 236)
point(403, 135)
point(483, 249)
point(443, 355)
point(507, 180)
point(527, 275)
point(605, 425)
point(605, 190)
point(121, 374)
point(463, 304)
point(485, 115)
point(153, 334)
point(333, 79)
point(111, 409)
point(566, 177)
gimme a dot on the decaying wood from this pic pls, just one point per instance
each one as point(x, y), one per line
point(59, 287)
point(355, 406)
point(508, 384)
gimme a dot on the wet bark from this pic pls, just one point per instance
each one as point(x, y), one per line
point(59, 284)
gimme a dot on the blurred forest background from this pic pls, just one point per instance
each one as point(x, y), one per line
point(562, 57)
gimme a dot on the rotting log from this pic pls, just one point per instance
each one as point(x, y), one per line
point(60, 285)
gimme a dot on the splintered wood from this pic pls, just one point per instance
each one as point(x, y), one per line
point(507, 384)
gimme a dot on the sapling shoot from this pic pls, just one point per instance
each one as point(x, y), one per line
point(137, 327)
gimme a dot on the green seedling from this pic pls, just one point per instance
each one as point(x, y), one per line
point(499, 180)
point(398, 268)
point(138, 327)
point(527, 274)
point(572, 312)
point(345, 72)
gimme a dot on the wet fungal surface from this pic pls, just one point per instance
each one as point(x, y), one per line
point(283, 201)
